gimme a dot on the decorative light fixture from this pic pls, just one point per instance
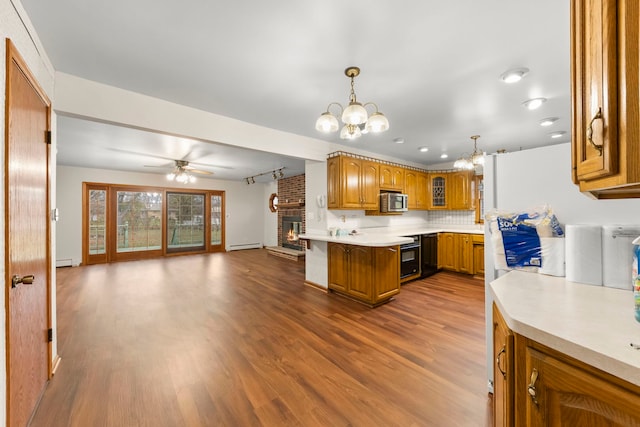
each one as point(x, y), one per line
point(275, 174)
point(181, 174)
point(355, 117)
point(514, 75)
point(557, 134)
point(534, 103)
point(475, 159)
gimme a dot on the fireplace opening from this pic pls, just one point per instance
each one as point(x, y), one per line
point(291, 229)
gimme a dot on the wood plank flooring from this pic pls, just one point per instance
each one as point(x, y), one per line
point(237, 339)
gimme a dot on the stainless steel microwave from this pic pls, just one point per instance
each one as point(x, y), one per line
point(393, 202)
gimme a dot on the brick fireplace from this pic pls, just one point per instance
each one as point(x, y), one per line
point(291, 213)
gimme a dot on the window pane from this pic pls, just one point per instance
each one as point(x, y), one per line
point(185, 221)
point(216, 220)
point(97, 229)
point(139, 221)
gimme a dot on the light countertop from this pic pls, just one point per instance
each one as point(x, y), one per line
point(594, 324)
point(391, 236)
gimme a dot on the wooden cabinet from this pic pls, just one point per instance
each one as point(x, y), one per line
point(352, 183)
point(460, 189)
point(503, 371)
point(367, 274)
point(478, 254)
point(544, 387)
point(455, 252)
point(605, 97)
point(391, 177)
point(438, 191)
point(416, 186)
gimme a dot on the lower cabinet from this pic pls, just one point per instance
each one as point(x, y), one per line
point(550, 388)
point(368, 274)
point(457, 252)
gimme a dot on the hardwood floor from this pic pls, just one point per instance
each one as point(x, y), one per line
point(237, 339)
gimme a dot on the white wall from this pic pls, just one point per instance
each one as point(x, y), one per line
point(525, 179)
point(244, 210)
point(15, 25)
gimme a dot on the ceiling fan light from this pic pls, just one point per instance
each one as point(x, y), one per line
point(354, 114)
point(327, 123)
point(377, 123)
point(171, 176)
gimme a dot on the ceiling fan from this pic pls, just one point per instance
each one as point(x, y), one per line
point(182, 172)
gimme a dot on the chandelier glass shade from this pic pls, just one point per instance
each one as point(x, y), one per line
point(355, 118)
point(475, 159)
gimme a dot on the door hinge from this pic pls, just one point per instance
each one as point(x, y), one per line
point(50, 335)
point(47, 137)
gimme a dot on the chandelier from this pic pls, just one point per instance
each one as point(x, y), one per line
point(355, 117)
point(475, 159)
point(180, 173)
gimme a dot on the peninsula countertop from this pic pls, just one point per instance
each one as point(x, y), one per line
point(391, 236)
point(594, 324)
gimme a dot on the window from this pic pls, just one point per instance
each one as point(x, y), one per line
point(129, 222)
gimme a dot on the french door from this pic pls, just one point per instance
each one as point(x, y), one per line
point(129, 222)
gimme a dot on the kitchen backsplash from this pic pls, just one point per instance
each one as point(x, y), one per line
point(452, 217)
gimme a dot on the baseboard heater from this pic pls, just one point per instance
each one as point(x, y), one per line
point(67, 262)
point(257, 245)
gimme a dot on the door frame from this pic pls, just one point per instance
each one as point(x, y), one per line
point(14, 57)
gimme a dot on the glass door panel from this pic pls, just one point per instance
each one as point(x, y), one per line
point(185, 222)
point(216, 220)
point(97, 239)
point(139, 220)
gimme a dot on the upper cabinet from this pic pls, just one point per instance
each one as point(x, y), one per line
point(391, 177)
point(352, 183)
point(416, 185)
point(461, 187)
point(438, 195)
point(605, 97)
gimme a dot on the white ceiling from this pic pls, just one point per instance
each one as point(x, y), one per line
point(432, 67)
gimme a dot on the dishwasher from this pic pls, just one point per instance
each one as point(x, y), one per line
point(429, 254)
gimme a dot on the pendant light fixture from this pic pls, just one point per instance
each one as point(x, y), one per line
point(475, 159)
point(355, 118)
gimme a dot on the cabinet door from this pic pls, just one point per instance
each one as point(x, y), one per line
point(557, 393)
point(478, 259)
point(386, 177)
point(422, 188)
point(438, 186)
point(503, 372)
point(410, 188)
point(361, 272)
point(595, 88)
point(338, 266)
point(447, 252)
point(334, 180)
point(369, 188)
point(464, 250)
point(459, 184)
point(351, 171)
point(387, 272)
point(398, 178)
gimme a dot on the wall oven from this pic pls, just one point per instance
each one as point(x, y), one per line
point(410, 258)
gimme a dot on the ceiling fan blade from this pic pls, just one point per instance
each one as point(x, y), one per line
point(198, 171)
point(207, 165)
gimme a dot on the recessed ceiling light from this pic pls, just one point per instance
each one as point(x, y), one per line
point(444, 156)
point(423, 149)
point(514, 75)
point(534, 103)
point(398, 140)
point(548, 121)
point(557, 134)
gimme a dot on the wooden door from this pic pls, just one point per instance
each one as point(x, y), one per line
point(387, 272)
point(333, 183)
point(503, 372)
point(447, 251)
point(464, 249)
point(27, 231)
point(460, 190)
point(595, 88)
point(410, 188)
point(422, 191)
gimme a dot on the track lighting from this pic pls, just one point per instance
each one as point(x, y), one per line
point(275, 174)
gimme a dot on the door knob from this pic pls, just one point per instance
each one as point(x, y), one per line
point(25, 280)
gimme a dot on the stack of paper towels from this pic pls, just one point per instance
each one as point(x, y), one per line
point(600, 255)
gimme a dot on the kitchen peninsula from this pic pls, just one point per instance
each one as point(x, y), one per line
point(366, 265)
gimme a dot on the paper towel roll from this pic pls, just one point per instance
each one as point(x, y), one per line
point(553, 256)
point(584, 253)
